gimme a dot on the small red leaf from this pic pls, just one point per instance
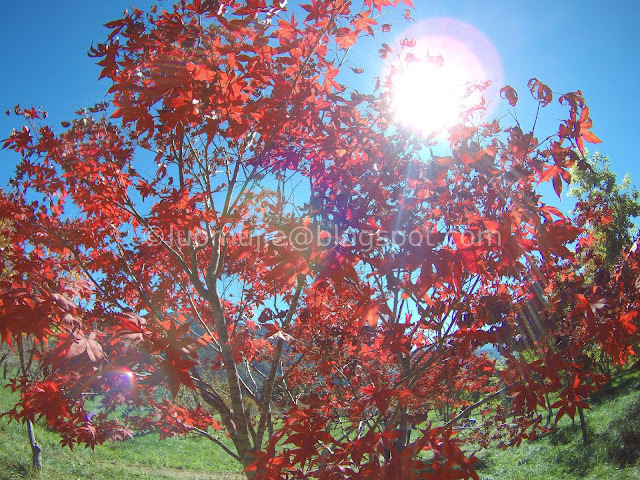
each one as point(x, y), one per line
point(510, 94)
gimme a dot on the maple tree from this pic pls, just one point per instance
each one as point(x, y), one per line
point(316, 333)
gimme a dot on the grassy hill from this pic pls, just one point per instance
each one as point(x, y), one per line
point(613, 453)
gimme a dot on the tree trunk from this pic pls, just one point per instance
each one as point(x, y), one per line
point(3, 361)
point(403, 424)
point(549, 411)
point(583, 427)
point(36, 459)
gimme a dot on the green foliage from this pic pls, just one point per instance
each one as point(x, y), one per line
point(606, 209)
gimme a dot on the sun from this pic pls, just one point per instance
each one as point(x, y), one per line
point(435, 84)
point(429, 96)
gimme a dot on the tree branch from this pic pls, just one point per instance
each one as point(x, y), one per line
point(268, 387)
point(467, 410)
point(216, 441)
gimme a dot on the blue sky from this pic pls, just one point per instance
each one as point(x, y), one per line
point(570, 45)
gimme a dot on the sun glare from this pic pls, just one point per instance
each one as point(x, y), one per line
point(430, 94)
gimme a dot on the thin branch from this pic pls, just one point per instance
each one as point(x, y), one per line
point(213, 398)
point(216, 441)
point(479, 403)
point(268, 388)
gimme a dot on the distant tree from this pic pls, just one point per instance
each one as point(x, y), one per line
point(607, 210)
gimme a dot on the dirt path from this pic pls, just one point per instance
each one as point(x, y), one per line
point(139, 471)
point(176, 473)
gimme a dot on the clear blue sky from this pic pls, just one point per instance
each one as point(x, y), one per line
point(588, 45)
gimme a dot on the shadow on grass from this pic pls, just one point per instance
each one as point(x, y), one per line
point(621, 384)
point(12, 470)
point(569, 434)
point(622, 438)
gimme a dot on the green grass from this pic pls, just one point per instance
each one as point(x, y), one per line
point(613, 453)
point(142, 458)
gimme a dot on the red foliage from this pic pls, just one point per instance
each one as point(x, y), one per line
point(165, 261)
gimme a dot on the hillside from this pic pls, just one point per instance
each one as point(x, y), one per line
point(614, 450)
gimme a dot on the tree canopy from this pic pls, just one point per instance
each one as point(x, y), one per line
point(239, 242)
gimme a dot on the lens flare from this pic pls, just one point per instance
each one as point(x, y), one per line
point(451, 57)
point(122, 380)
